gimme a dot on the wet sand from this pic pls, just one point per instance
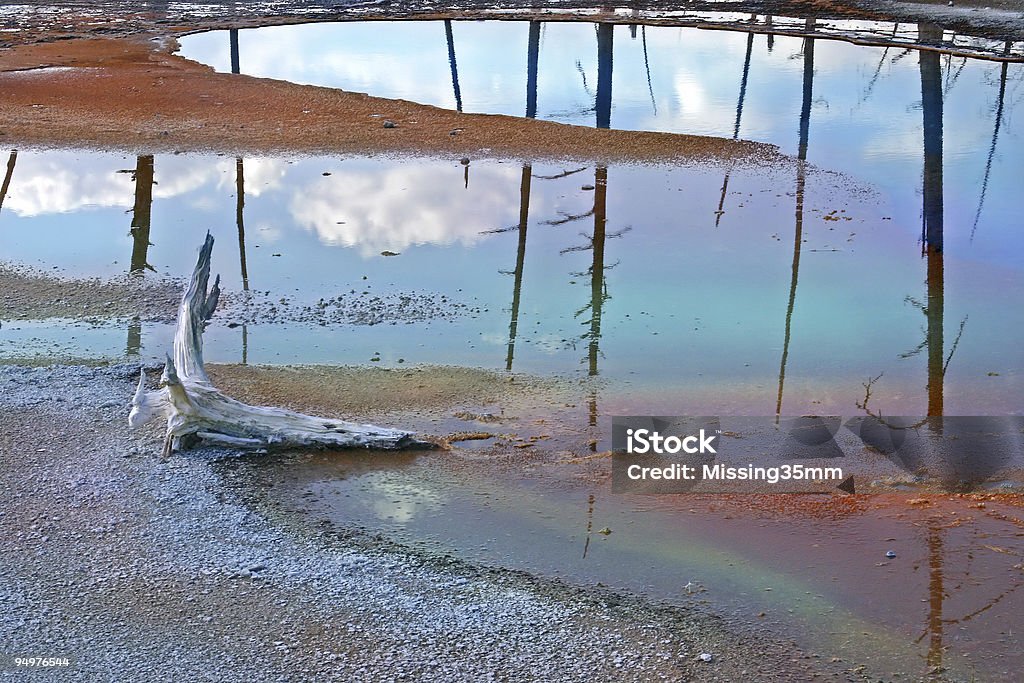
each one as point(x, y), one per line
point(28, 295)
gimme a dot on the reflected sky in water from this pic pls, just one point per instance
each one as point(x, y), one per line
point(866, 102)
point(683, 315)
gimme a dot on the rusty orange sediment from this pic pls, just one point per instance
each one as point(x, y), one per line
point(133, 93)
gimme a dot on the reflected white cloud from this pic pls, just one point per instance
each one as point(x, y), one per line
point(53, 183)
point(401, 502)
point(263, 175)
point(59, 182)
point(391, 208)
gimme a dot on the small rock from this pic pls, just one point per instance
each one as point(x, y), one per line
point(587, 188)
point(706, 657)
point(390, 124)
point(890, 554)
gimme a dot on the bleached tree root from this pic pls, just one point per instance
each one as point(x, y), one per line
point(196, 411)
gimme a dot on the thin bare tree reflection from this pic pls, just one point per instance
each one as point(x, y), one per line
point(878, 71)
point(590, 524)
point(524, 216)
point(647, 68)
point(598, 289)
point(11, 161)
point(598, 286)
point(452, 64)
point(532, 60)
point(736, 126)
point(240, 224)
point(798, 231)
point(995, 137)
point(240, 218)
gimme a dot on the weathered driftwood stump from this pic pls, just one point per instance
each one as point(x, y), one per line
point(196, 411)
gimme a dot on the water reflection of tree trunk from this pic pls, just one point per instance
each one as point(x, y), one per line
point(240, 218)
point(647, 68)
point(524, 215)
point(240, 224)
point(532, 63)
point(798, 232)
point(142, 213)
point(995, 138)
point(590, 524)
point(598, 289)
point(134, 344)
point(736, 126)
point(235, 62)
point(771, 36)
point(932, 214)
point(11, 161)
point(603, 101)
point(451, 62)
point(597, 285)
point(936, 596)
point(938, 589)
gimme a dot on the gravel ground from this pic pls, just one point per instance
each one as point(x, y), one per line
point(31, 295)
point(146, 570)
point(26, 294)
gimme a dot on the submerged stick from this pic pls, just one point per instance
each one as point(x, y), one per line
point(196, 411)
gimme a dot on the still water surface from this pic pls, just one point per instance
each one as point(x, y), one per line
point(806, 287)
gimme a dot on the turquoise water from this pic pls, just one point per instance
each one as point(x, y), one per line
point(681, 314)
